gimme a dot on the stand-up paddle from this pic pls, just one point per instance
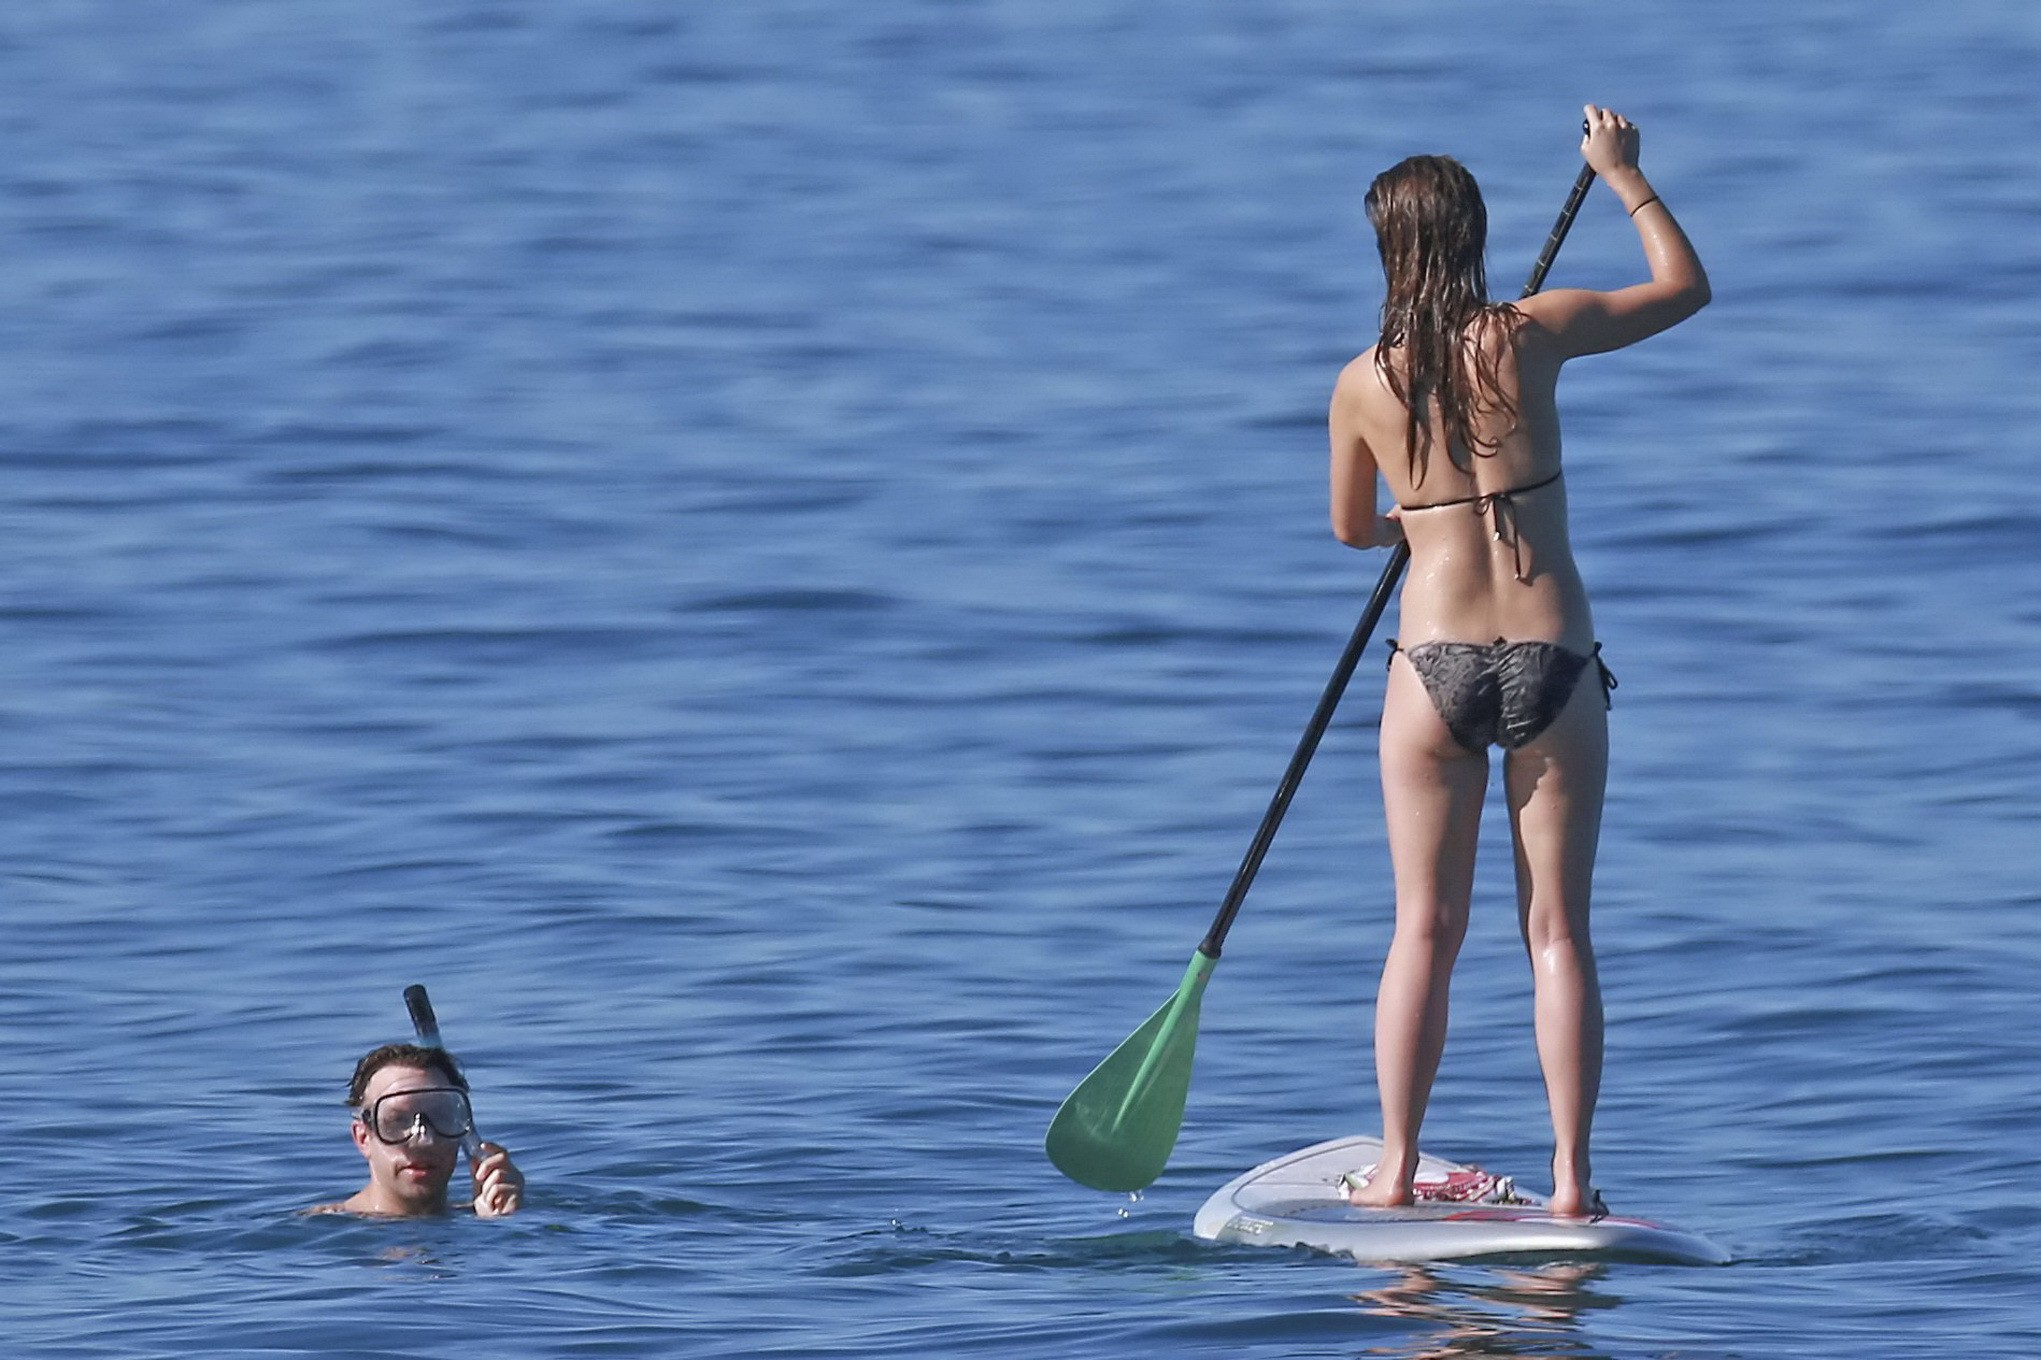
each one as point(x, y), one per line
point(1117, 1129)
point(426, 1024)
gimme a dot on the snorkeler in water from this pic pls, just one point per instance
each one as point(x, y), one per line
point(410, 1105)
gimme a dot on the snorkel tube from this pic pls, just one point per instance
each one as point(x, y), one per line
point(427, 1026)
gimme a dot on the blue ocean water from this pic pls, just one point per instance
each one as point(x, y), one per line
point(772, 554)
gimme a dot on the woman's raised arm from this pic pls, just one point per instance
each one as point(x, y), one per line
point(1588, 322)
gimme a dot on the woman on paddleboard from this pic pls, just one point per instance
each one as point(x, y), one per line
point(1454, 409)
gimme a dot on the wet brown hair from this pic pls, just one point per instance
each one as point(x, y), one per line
point(402, 1055)
point(1432, 228)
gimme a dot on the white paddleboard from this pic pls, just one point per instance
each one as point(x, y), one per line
point(1298, 1201)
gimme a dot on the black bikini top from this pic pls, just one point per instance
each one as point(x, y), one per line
point(1501, 506)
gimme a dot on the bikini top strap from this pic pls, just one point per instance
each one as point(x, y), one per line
point(1501, 508)
point(1480, 499)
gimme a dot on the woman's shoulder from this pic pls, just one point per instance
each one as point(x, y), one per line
point(1362, 373)
point(1539, 311)
point(1531, 323)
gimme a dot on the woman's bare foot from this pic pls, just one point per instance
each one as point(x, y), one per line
point(1573, 1194)
point(1575, 1200)
point(1380, 1192)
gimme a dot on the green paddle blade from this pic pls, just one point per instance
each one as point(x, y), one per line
point(1116, 1130)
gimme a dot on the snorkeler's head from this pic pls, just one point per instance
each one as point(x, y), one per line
point(410, 1107)
point(416, 1056)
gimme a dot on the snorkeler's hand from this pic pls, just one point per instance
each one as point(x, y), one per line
point(1611, 142)
point(499, 1186)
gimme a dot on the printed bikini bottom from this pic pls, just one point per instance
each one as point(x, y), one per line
point(1501, 693)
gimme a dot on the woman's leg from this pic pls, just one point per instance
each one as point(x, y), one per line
point(1555, 785)
point(1431, 792)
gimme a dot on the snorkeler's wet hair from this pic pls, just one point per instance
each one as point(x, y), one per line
point(1432, 228)
point(402, 1055)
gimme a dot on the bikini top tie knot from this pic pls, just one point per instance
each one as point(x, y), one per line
point(1501, 509)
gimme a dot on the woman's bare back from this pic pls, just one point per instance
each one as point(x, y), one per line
point(1490, 556)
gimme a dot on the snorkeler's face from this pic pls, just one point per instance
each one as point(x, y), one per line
point(413, 1170)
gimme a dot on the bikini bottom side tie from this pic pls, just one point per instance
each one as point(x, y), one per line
point(1501, 693)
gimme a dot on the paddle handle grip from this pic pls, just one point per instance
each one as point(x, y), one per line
point(1364, 631)
point(426, 1025)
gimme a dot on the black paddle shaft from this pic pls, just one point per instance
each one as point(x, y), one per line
point(1321, 718)
point(1581, 185)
